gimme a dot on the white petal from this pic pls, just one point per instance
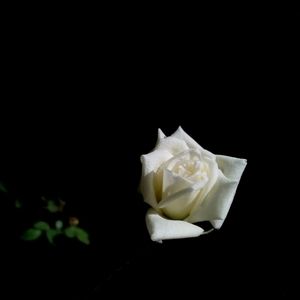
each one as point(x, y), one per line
point(160, 136)
point(148, 190)
point(217, 223)
point(178, 195)
point(173, 183)
point(173, 145)
point(213, 176)
point(150, 163)
point(182, 135)
point(178, 206)
point(192, 144)
point(163, 229)
point(231, 167)
point(153, 160)
point(217, 203)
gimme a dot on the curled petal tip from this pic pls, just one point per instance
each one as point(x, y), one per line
point(160, 134)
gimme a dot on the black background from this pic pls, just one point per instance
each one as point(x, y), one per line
point(83, 100)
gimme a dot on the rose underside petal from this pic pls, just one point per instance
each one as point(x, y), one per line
point(163, 229)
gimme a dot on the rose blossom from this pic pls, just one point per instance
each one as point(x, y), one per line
point(185, 184)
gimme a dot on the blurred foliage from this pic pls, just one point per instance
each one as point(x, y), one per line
point(2, 187)
point(31, 234)
point(52, 207)
point(18, 204)
point(77, 232)
point(72, 231)
point(54, 228)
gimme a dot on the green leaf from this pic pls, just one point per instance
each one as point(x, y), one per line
point(2, 187)
point(31, 234)
point(79, 233)
point(41, 225)
point(18, 204)
point(51, 234)
point(59, 224)
point(52, 207)
point(70, 231)
point(82, 236)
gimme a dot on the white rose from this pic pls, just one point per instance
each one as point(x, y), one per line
point(185, 184)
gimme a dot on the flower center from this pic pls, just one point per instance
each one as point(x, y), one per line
point(190, 166)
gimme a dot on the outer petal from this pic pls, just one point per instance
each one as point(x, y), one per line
point(231, 167)
point(160, 136)
point(163, 229)
point(182, 135)
point(165, 150)
point(148, 190)
point(192, 144)
point(172, 144)
point(217, 203)
point(153, 160)
point(150, 163)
